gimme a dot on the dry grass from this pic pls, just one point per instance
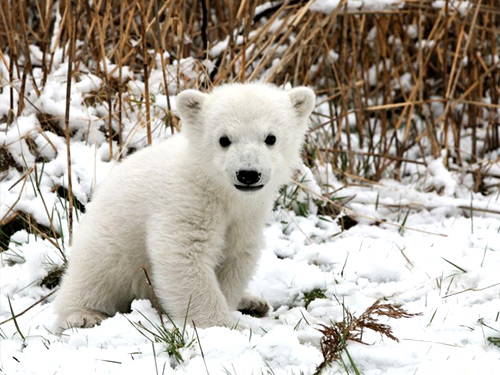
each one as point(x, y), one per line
point(336, 335)
point(396, 87)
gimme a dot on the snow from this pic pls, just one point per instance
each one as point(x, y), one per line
point(329, 6)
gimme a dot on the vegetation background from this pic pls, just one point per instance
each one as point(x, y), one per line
point(396, 85)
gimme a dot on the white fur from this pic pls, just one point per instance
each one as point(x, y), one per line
point(173, 208)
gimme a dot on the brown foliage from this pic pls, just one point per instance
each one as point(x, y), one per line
point(336, 335)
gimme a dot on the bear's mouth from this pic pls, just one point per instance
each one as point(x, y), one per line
point(248, 187)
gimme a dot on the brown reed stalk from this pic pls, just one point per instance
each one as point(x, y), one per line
point(142, 6)
point(45, 17)
point(27, 55)
point(73, 17)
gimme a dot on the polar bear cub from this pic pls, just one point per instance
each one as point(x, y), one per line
point(190, 210)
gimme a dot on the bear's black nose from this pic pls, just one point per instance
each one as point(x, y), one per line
point(248, 177)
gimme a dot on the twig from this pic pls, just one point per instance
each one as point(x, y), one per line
point(29, 307)
point(356, 214)
point(72, 29)
point(201, 349)
point(155, 299)
point(471, 290)
point(49, 218)
point(204, 25)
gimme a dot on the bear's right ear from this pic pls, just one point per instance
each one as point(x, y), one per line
point(189, 103)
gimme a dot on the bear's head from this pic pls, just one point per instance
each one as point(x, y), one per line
point(247, 137)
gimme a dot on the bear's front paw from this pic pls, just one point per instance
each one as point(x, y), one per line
point(253, 305)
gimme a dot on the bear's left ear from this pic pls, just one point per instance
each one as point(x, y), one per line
point(303, 100)
point(189, 104)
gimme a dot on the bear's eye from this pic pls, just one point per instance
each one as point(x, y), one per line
point(270, 140)
point(224, 141)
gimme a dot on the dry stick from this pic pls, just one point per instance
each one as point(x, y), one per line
point(4, 60)
point(15, 50)
point(398, 124)
point(381, 107)
point(180, 49)
point(447, 111)
point(421, 67)
point(129, 138)
point(145, 68)
point(54, 233)
point(46, 39)
point(231, 27)
point(45, 236)
point(72, 29)
point(20, 102)
point(38, 129)
point(28, 308)
point(447, 78)
point(120, 82)
point(26, 46)
point(471, 290)
point(201, 349)
point(101, 29)
point(4, 218)
point(6, 21)
point(353, 213)
point(343, 59)
point(416, 206)
point(481, 104)
point(204, 25)
point(108, 86)
point(358, 102)
point(455, 77)
point(161, 41)
point(372, 154)
point(91, 38)
point(153, 294)
point(244, 9)
point(59, 33)
point(434, 342)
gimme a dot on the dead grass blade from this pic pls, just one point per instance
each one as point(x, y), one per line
point(351, 328)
